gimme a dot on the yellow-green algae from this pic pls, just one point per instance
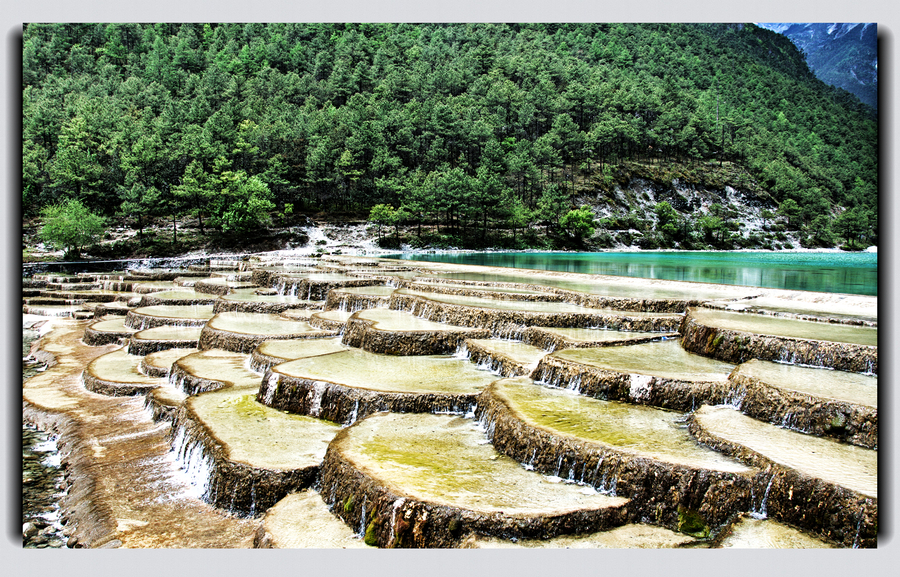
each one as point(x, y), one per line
point(636, 429)
point(413, 374)
point(633, 536)
point(261, 436)
point(302, 521)
point(664, 359)
point(521, 353)
point(849, 466)
point(827, 383)
point(259, 324)
point(399, 321)
point(292, 349)
point(219, 365)
point(784, 327)
point(751, 533)
point(447, 460)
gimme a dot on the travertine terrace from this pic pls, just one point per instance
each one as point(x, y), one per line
point(359, 402)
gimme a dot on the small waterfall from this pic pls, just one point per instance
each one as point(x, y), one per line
point(641, 387)
point(870, 368)
point(192, 458)
point(271, 387)
point(761, 512)
point(575, 384)
point(462, 352)
point(354, 415)
point(862, 515)
point(736, 398)
point(394, 507)
point(315, 402)
point(362, 520)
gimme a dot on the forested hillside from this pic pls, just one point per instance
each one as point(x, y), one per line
point(470, 133)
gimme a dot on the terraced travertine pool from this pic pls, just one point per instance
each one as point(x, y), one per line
point(512, 463)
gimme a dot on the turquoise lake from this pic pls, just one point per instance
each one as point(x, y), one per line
point(850, 273)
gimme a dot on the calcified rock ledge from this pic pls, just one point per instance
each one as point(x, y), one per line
point(182, 379)
point(145, 343)
point(111, 309)
point(365, 334)
point(315, 289)
point(676, 394)
point(735, 346)
point(822, 507)
point(846, 421)
point(159, 364)
point(228, 339)
point(149, 317)
point(658, 490)
point(355, 301)
point(177, 298)
point(219, 286)
point(302, 521)
point(272, 353)
point(116, 374)
point(484, 289)
point(632, 536)
point(107, 331)
point(550, 341)
point(502, 322)
point(483, 354)
point(392, 517)
point(821, 317)
point(344, 404)
point(235, 304)
point(233, 485)
point(333, 320)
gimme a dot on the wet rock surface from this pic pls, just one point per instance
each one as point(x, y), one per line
point(819, 485)
point(714, 336)
point(642, 456)
point(397, 333)
point(587, 372)
point(443, 495)
point(815, 401)
point(348, 385)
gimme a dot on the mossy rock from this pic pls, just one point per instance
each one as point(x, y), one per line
point(691, 523)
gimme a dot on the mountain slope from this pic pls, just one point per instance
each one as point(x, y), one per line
point(841, 54)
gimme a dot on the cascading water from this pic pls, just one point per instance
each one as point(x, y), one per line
point(192, 458)
point(761, 511)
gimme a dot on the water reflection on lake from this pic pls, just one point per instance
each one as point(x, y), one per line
point(833, 272)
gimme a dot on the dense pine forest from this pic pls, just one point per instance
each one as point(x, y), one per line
point(512, 135)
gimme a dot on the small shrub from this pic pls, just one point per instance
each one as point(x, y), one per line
point(71, 226)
